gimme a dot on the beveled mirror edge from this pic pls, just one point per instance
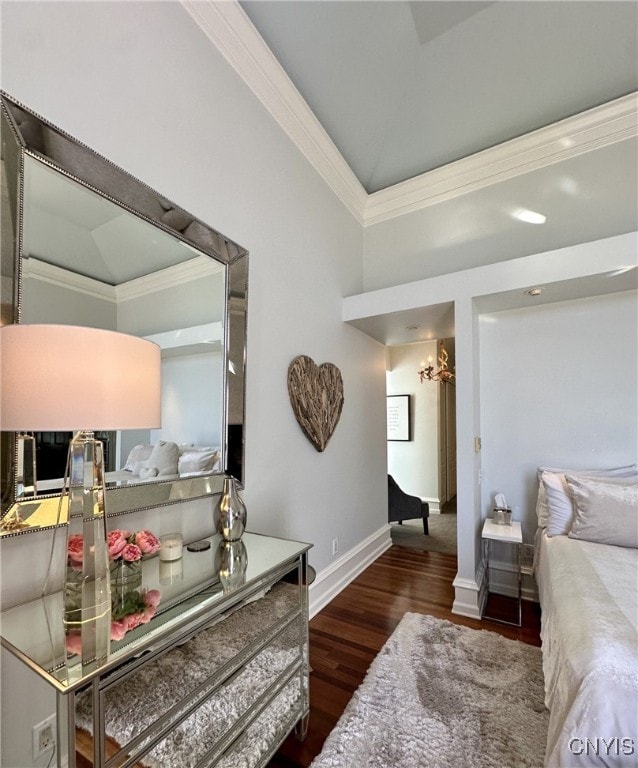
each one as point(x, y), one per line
point(136, 497)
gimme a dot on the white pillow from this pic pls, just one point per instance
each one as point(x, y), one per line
point(197, 461)
point(137, 454)
point(606, 510)
point(542, 510)
point(560, 509)
point(163, 458)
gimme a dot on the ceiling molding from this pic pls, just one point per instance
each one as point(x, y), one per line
point(36, 269)
point(184, 272)
point(235, 37)
point(169, 277)
point(596, 128)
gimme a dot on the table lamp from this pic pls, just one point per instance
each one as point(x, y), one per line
point(64, 378)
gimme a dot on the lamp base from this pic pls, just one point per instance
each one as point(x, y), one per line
point(87, 590)
point(26, 483)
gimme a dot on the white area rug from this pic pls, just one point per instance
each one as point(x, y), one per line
point(440, 695)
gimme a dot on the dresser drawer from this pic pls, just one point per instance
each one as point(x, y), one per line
point(187, 705)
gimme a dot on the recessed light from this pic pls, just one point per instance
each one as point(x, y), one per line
point(529, 217)
point(534, 292)
point(622, 270)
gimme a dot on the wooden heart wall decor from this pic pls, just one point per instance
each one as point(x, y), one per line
point(316, 396)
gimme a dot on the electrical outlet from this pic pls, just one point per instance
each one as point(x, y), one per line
point(335, 546)
point(43, 737)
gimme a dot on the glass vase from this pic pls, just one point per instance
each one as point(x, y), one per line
point(126, 585)
point(229, 513)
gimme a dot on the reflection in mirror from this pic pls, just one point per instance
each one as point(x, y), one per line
point(87, 244)
point(86, 261)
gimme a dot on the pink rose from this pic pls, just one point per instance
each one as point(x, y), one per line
point(152, 597)
point(117, 540)
point(147, 614)
point(132, 621)
point(75, 548)
point(73, 643)
point(147, 542)
point(131, 553)
point(118, 629)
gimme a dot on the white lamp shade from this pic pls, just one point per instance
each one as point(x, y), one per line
point(66, 378)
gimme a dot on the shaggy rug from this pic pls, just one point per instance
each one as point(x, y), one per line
point(440, 695)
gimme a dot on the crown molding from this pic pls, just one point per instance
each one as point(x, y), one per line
point(169, 277)
point(596, 128)
point(231, 31)
point(36, 269)
point(228, 27)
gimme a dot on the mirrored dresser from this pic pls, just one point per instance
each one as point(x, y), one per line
point(216, 676)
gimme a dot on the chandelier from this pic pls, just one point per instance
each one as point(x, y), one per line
point(443, 375)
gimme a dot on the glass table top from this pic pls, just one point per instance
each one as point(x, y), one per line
point(189, 588)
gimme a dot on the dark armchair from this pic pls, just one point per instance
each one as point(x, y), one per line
point(402, 506)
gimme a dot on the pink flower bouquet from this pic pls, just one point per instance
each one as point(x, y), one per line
point(132, 607)
point(140, 610)
point(124, 545)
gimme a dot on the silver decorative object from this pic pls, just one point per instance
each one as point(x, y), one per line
point(229, 513)
point(231, 562)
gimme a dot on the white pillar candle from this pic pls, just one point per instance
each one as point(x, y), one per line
point(170, 546)
point(170, 572)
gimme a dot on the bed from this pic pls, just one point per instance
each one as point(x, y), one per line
point(163, 460)
point(587, 574)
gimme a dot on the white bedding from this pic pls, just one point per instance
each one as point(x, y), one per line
point(589, 599)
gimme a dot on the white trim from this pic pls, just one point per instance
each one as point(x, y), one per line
point(467, 598)
point(231, 31)
point(341, 572)
point(434, 504)
point(596, 128)
point(35, 269)
point(169, 277)
point(233, 34)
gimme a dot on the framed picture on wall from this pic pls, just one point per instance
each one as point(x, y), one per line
point(398, 407)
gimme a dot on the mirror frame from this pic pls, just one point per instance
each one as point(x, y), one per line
point(27, 134)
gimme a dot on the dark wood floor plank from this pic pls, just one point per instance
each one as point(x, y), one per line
point(348, 633)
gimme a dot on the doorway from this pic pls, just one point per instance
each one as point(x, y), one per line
point(424, 464)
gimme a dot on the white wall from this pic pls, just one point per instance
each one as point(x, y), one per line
point(415, 464)
point(141, 84)
point(188, 380)
point(558, 388)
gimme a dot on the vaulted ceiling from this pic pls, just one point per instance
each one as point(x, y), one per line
point(447, 123)
point(403, 87)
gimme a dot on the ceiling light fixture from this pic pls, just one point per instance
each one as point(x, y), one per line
point(529, 217)
point(534, 292)
point(443, 375)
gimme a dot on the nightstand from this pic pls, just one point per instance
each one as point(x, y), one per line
point(506, 534)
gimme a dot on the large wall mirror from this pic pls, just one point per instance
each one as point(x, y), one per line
point(85, 243)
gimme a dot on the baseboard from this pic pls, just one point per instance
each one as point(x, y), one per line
point(434, 505)
point(466, 598)
point(345, 569)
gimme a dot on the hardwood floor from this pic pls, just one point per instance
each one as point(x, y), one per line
point(349, 632)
